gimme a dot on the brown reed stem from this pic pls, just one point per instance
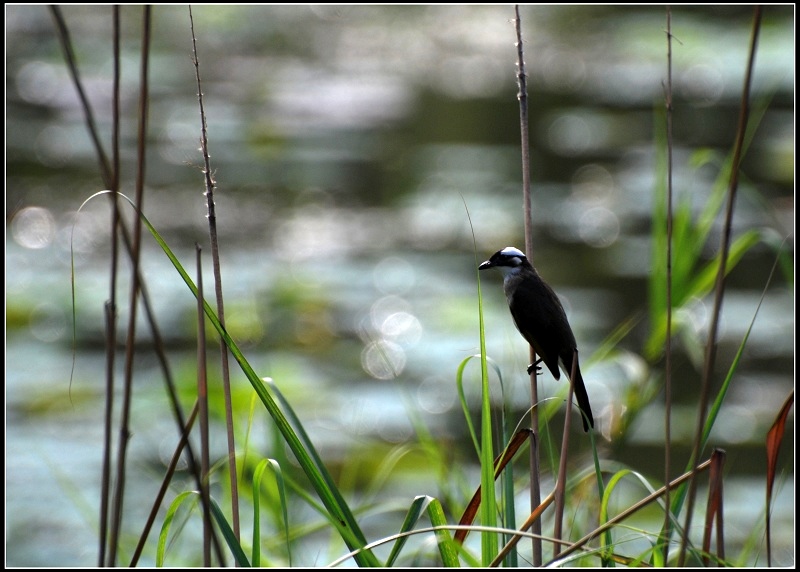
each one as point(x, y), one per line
point(124, 431)
point(110, 307)
point(522, 96)
point(202, 400)
point(719, 290)
point(561, 479)
point(668, 349)
point(212, 230)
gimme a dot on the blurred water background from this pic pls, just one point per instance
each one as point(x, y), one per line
point(346, 142)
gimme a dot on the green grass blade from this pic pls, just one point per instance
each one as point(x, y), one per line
point(161, 546)
point(229, 536)
point(420, 505)
point(463, 399)
point(607, 541)
point(219, 517)
point(464, 406)
point(346, 522)
point(704, 280)
point(489, 540)
point(447, 547)
point(413, 515)
point(257, 478)
point(700, 286)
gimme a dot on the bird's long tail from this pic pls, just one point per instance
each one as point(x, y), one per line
point(583, 399)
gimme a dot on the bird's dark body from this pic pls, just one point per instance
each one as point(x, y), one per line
point(540, 318)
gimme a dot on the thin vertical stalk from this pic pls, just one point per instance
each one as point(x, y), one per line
point(719, 289)
point(668, 350)
point(202, 400)
point(212, 230)
point(561, 479)
point(124, 432)
point(108, 421)
point(522, 96)
point(111, 304)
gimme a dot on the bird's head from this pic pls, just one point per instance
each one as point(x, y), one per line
point(506, 260)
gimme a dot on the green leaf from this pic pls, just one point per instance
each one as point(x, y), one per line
point(229, 536)
point(447, 547)
point(257, 478)
point(161, 547)
point(412, 516)
point(489, 540)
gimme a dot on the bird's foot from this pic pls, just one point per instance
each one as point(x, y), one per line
point(535, 366)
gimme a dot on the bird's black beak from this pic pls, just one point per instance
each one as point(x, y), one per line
point(485, 265)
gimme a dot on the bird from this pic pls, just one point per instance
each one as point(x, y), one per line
point(540, 318)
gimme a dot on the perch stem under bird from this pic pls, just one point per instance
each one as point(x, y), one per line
point(540, 318)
